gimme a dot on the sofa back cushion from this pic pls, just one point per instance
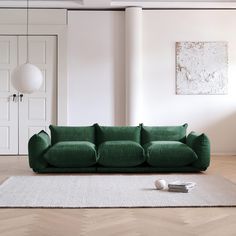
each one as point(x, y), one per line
point(117, 133)
point(70, 133)
point(164, 133)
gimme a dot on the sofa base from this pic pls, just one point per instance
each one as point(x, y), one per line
point(146, 170)
point(67, 170)
point(137, 170)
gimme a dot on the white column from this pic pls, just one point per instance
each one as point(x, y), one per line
point(133, 36)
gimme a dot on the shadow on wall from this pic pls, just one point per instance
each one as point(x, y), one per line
point(222, 134)
point(119, 72)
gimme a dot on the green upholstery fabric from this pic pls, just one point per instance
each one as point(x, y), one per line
point(120, 154)
point(163, 133)
point(117, 133)
point(71, 154)
point(169, 154)
point(37, 146)
point(201, 146)
point(70, 133)
point(119, 151)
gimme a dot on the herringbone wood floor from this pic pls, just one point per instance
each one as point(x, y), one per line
point(118, 222)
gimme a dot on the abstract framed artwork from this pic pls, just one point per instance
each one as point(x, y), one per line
point(201, 68)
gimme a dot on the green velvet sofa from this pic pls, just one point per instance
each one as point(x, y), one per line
point(111, 149)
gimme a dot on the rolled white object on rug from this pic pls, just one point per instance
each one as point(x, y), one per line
point(161, 184)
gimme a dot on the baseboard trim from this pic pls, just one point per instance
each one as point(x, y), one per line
point(223, 154)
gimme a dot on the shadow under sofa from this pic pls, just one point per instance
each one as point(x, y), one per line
point(118, 149)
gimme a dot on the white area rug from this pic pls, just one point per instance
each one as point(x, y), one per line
point(113, 191)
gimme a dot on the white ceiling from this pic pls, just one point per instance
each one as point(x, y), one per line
point(107, 4)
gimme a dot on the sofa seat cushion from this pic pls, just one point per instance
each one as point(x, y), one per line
point(71, 154)
point(169, 154)
point(120, 154)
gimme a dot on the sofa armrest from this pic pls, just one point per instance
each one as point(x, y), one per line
point(201, 146)
point(37, 146)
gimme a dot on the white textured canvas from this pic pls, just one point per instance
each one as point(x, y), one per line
point(114, 191)
point(201, 67)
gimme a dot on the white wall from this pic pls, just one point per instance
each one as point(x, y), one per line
point(215, 115)
point(96, 73)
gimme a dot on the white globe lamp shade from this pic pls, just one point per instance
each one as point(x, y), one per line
point(27, 78)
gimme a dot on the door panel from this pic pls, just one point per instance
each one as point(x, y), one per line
point(19, 120)
point(8, 107)
point(38, 110)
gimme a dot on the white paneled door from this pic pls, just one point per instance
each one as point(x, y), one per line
point(38, 110)
point(8, 103)
point(22, 115)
